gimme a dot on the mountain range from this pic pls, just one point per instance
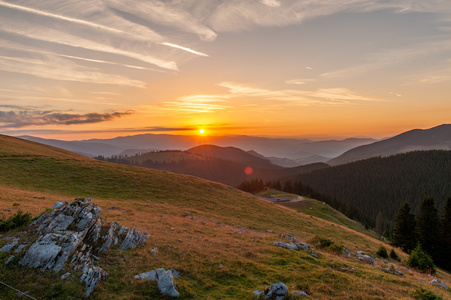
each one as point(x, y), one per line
point(281, 151)
point(436, 138)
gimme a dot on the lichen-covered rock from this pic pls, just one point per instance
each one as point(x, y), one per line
point(92, 275)
point(10, 246)
point(285, 245)
point(440, 283)
point(70, 235)
point(165, 280)
point(367, 259)
point(303, 246)
point(279, 290)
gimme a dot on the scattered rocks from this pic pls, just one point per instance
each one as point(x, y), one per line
point(346, 252)
point(440, 283)
point(393, 270)
point(285, 245)
point(365, 258)
point(294, 244)
point(290, 237)
point(71, 235)
point(165, 280)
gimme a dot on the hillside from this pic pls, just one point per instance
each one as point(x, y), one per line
point(382, 184)
point(228, 165)
point(436, 138)
point(218, 238)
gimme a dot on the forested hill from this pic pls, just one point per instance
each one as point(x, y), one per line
point(436, 138)
point(382, 184)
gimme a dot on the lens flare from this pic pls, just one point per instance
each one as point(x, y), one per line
point(248, 170)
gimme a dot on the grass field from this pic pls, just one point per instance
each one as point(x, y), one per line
point(226, 253)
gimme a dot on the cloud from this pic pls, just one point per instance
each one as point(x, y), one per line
point(183, 15)
point(62, 69)
point(237, 15)
point(22, 118)
point(124, 38)
point(299, 81)
point(240, 97)
point(184, 49)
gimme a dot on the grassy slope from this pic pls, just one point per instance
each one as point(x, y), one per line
point(231, 230)
point(319, 210)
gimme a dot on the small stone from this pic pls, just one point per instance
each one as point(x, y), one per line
point(299, 294)
point(314, 254)
point(10, 246)
point(65, 275)
point(58, 205)
point(258, 293)
point(9, 260)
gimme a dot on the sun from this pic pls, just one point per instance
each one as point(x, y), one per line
point(201, 131)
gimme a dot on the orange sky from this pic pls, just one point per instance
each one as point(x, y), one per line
point(90, 69)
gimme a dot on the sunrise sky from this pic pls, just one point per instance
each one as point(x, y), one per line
point(326, 68)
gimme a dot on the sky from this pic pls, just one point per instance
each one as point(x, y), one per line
point(312, 68)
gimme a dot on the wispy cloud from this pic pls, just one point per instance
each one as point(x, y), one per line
point(187, 16)
point(22, 118)
point(58, 69)
point(237, 15)
point(184, 48)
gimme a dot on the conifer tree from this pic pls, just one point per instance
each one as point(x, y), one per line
point(404, 233)
point(445, 237)
point(428, 226)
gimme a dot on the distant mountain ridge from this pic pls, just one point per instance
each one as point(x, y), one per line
point(285, 151)
point(221, 164)
point(436, 138)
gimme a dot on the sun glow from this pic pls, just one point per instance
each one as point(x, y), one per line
point(202, 131)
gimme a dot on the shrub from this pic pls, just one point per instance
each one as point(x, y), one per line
point(423, 294)
point(421, 260)
point(382, 252)
point(19, 219)
point(394, 256)
point(328, 245)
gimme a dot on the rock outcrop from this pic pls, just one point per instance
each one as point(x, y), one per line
point(72, 236)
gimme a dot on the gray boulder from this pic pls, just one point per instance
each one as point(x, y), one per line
point(278, 290)
point(285, 245)
point(303, 246)
point(69, 235)
point(440, 283)
point(10, 246)
point(165, 280)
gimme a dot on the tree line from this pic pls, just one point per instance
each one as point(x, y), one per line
point(427, 230)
